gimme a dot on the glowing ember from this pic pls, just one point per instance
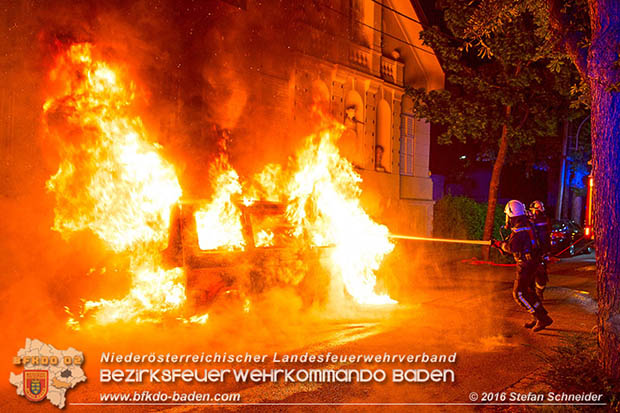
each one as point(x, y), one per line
point(113, 181)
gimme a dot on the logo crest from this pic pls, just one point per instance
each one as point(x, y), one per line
point(36, 384)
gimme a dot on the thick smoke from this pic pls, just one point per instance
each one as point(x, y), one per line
point(203, 71)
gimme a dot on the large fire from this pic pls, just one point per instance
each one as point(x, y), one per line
point(113, 181)
point(324, 203)
point(321, 194)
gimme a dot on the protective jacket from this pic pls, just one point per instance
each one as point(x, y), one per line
point(521, 242)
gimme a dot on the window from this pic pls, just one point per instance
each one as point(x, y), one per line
point(383, 159)
point(406, 145)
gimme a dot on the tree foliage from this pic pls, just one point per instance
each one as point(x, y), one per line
point(551, 20)
point(588, 33)
point(484, 75)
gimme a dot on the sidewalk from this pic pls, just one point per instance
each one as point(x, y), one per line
point(571, 300)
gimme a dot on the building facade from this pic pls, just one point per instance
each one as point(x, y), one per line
point(361, 78)
point(255, 69)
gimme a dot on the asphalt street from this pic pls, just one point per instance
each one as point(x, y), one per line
point(457, 308)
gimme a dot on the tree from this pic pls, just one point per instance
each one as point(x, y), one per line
point(588, 33)
point(503, 97)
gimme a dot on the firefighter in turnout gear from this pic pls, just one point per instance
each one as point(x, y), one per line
point(541, 230)
point(522, 244)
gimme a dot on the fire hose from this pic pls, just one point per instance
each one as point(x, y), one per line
point(454, 241)
point(489, 243)
point(557, 255)
point(467, 241)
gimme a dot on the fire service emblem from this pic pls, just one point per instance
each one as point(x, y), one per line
point(35, 384)
point(48, 372)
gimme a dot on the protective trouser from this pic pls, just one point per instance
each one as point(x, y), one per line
point(523, 291)
point(540, 279)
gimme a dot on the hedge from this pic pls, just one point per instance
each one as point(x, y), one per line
point(463, 218)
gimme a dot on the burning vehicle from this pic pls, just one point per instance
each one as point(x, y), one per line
point(268, 255)
point(286, 225)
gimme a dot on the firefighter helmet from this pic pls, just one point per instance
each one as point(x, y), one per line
point(537, 206)
point(514, 208)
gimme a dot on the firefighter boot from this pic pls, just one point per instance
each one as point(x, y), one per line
point(543, 319)
point(531, 323)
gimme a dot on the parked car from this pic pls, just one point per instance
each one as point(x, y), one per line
point(567, 239)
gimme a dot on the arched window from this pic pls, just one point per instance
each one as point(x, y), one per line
point(353, 107)
point(351, 141)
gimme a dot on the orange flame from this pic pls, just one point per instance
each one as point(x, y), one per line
point(112, 181)
point(266, 184)
point(323, 208)
point(264, 238)
point(219, 222)
point(324, 204)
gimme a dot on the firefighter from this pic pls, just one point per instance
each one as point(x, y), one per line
point(541, 230)
point(521, 243)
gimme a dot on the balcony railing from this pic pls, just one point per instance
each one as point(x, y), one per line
point(392, 70)
point(342, 51)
